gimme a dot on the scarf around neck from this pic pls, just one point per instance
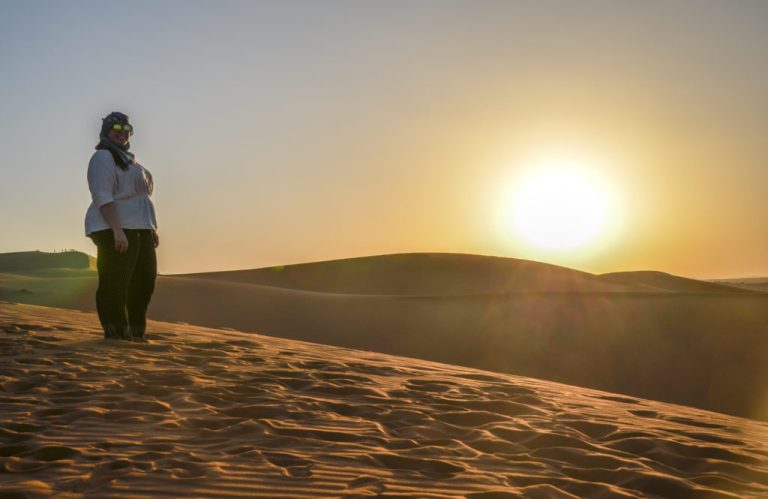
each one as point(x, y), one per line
point(122, 157)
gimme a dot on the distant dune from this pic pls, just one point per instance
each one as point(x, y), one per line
point(36, 260)
point(668, 282)
point(424, 274)
point(212, 413)
point(650, 335)
point(759, 284)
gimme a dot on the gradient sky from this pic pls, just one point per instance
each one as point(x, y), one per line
point(294, 131)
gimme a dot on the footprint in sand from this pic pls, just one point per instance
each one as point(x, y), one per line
point(249, 344)
point(713, 439)
point(27, 488)
point(505, 407)
point(592, 429)
point(615, 398)
point(426, 466)
point(110, 470)
point(331, 376)
point(470, 419)
point(295, 383)
point(697, 424)
point(477, 377)
point(347, 391)
point(517, 393)
point(185, 469)
point(644, 414)
point(430, 385)
point(252, 359)
point(54, 453)
point(17, 464)
point(14, 450)
point(16, 428)
point(317, 365)
point(365, 485)
point(378, 370)
point(290, 465)
point(288, 353)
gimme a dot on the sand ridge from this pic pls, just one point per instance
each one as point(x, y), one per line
point(452, 274)
point(220, 413)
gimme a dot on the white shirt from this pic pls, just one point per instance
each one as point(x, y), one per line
point(128, 189)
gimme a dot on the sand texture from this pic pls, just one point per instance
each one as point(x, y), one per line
point(203, 412)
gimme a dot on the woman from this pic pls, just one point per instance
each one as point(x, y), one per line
point(121, 222)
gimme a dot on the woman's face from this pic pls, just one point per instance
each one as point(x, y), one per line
point(119, 137)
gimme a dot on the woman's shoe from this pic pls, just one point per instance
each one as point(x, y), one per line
point(137, 332)
point(117, 332)
point(112, 332)
point(127, 335)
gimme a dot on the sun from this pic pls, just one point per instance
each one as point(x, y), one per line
point(560, 208)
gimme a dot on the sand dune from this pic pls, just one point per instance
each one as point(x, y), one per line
point(759, 284)
point(419, 274)
point(668, 282)
point(702, 349)
point(219, 413)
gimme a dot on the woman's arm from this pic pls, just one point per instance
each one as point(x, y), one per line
point(102, 180)
point(109, 212)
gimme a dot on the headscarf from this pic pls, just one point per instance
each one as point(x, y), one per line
point(123, 158)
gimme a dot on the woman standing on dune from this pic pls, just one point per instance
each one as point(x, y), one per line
point(121, 222)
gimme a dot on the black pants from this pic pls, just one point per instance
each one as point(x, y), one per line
point(126, 282)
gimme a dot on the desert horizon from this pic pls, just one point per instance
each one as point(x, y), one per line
point(25, 255)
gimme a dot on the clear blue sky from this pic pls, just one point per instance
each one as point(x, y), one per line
point(286, 131)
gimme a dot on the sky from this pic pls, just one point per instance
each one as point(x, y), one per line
point(282, 132)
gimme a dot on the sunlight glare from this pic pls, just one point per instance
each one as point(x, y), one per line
point(560, 206)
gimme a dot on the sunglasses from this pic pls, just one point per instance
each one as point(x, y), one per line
point(118, 127)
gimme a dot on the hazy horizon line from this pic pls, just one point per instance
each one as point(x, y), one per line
point(731, 278)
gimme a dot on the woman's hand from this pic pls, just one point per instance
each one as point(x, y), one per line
point(155, 239)
point(109, 212)
point(121, 241)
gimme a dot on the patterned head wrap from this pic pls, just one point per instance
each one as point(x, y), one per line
point(111, 119)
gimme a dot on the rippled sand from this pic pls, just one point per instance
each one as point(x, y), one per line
point(202, 412)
